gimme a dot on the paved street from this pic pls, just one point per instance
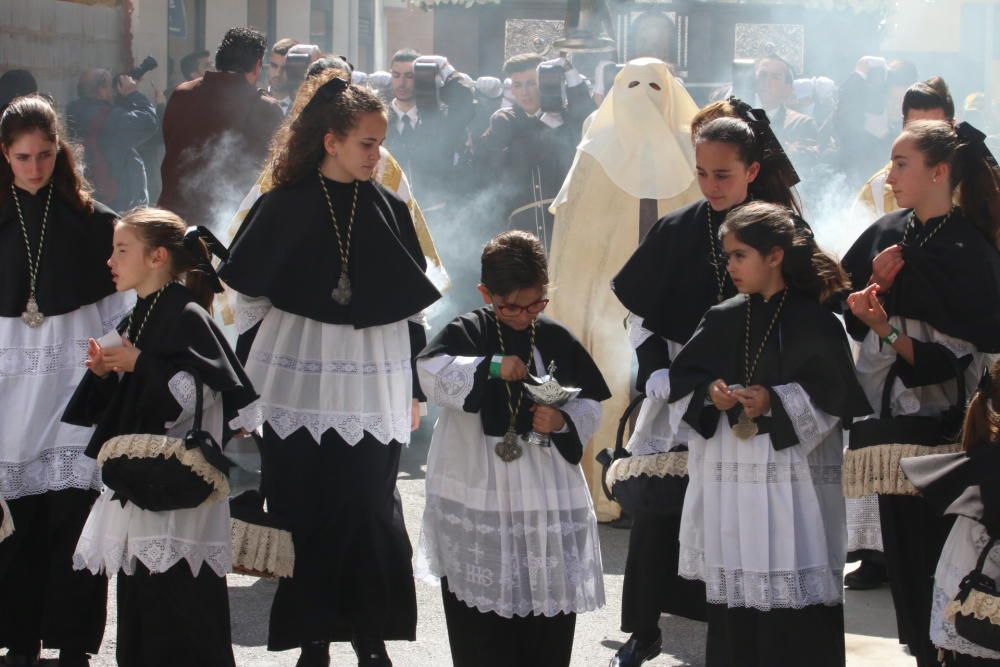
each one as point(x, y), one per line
point(870, 622)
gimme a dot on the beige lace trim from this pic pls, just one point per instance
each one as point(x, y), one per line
point(261, 551)
point(148, 446)
point(982, 606)
point(654, 465)
point(7, 525)
point(876, 469)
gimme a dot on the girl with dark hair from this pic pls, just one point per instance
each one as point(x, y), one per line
point(55, 292)
point(143, 378)
point(927, 317)
point(759, 394)
point(677, 274)
point(511, 595)
point(331, 289)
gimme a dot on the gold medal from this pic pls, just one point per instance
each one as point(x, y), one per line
point(31, 315)
point(745, 427)
point(509, 449)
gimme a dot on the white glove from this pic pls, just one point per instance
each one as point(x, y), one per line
point(658, 385)
point(444, 68)
point(489, 86)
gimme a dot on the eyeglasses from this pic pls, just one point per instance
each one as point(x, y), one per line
point(513, 310)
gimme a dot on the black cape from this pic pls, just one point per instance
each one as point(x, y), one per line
point(73, 271)
point(287, 251)
point(952, 283)
point(807, 346)
point(963, 484)
point(178, 336)
point(475, 335)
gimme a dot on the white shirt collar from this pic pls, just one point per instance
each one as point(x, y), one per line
point(413, 114)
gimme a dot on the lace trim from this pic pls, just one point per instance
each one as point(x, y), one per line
point(453, 383)
point(261, 551)
point(331, 366)
point(183, 388)
point(384, 427)
point(158, 554)
point(585, 414)
point(249, 418)
point(249, 313)
point(6, 522)
point(148, 446)
point(780, 589)
point(864, 527)
point(654, 465)
point(55, 469)
point(981, 605)
point(876, 469)
point(42, 360)
point(114, 318)
point(773, 472)
point(797, 405)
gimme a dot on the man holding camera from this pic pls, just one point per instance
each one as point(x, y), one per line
point(430, 112)
point(111, 119)
point(216, 130)
point(528, 148)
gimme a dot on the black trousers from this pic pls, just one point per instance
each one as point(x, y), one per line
point(913, 536)
point(173, 618)
point(652, 584)
point(44, 599)
point(353, 575)
point(952, 659)
point(808, 637)
point(486, 639)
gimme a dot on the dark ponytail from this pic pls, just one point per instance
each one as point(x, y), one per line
point(189, 254)
point(806, 268)
point(776, 179)
point(982, 423)
point(973, 170)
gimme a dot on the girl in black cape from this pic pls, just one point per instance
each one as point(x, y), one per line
point(759, 393)
point(331, 285)
point(509, 527)
point(173, 607)
point(927, 317)
point(55, 292)
point(676, 274)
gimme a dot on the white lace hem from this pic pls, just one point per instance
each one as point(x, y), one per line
point(763, 591)
point(55, 469)
point(157, 553)
point(944, 635)
point(386, 428)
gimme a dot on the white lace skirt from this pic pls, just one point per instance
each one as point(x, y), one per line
point(958, 557)
point(514, 538)
point(116, 536)
point(332, 376)
point(764, 528)
point(39, 371)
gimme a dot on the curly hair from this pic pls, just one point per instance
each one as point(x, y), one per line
point(297, 148)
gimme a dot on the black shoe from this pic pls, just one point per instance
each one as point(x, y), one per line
point(371, 653)
point(633, 653)
point(314, 654)
point(73, 659)
point(23, 656)
point(868, 576)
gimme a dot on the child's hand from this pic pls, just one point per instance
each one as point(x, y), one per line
point(95, 359)
point(756, 400)
point(415, 415)
point(722, 396)
point(513, 369)
point(546, 419)
point(866, 307)
point(122, 359)
point(886, 266)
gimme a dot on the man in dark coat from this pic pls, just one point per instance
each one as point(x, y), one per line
point(216, 130)
point(797, 132)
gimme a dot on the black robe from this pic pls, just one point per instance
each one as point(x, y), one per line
point(807, 346)
point(475, 335)
point(178, 336)
point(73, 271)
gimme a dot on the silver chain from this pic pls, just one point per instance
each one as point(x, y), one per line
point(344, 248)
point(142, 325)
point(747, 367)
point(718, 270)
point(33, 263)
point(514, 411)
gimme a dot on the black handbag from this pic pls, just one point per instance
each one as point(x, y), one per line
point(876, 446)
point(160, 472)
point(651, 483)
point(976, 609)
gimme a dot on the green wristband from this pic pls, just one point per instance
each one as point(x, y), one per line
point(891, 337)
point(495, 363)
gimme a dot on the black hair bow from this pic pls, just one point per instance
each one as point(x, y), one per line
point(200, 263)
point(986, 383)
point(771, 148)
point(330, 90)
point(976, 139)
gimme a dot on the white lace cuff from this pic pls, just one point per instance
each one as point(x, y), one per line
point(250, 311)
point(810, 423)
point(183, 388)
point(637, 334)
point(448, 380)
point(585, 413)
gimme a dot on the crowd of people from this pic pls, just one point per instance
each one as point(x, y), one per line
point(809, 406)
